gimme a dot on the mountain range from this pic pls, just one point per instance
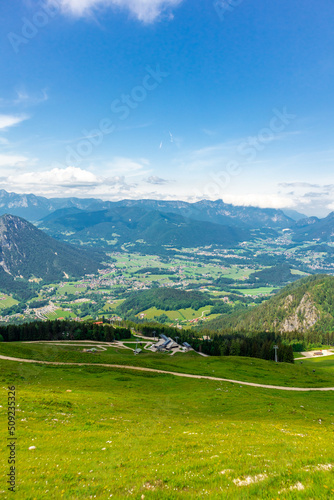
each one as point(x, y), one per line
point(34, 208)
point(313, 228)
point(38, 208)
point(131, 224)
point(160, 222)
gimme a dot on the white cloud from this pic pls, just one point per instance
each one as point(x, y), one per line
point(260, 200)
point(73, 181)
point(295, 185)
point(154, 179)
point(12, 160)
point(68, 177)
point(7, 121)
point(144, 10)
point(65, 182)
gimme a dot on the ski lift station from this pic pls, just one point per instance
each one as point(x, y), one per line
point(165, 343)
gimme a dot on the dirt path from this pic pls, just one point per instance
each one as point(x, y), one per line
point(176, 374)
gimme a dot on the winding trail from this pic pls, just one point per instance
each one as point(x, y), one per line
point(176, 374)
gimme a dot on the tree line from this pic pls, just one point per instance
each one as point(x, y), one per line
point(63, 330)
point(259, 346)
point(167, 299)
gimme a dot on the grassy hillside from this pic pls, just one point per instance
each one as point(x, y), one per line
point(123, 434)
point(243, 369)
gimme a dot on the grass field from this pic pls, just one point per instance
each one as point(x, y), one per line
point(256, 291)
point(71, 289)
point(181, 314)
point(297, 272)
point(115, 304)
point(120, 434)
point(60, 313)
point(236, 273)
point(7, 301)
point(327, 362)
point(238, 368)
point(153, 311)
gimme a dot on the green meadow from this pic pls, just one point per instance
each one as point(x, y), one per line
point(7, 301)
point(71, 289)
point(256, 291)
point(114, 305)
point(103, 433)
point(231, 367)
point(60, 313)
point(327, 362)
point(180, 314)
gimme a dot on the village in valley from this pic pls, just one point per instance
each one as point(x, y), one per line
point(222, 274)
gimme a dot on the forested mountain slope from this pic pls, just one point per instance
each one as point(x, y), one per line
point(28, 253)
point(306, 305)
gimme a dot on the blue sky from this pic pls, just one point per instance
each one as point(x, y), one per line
point(174, 99)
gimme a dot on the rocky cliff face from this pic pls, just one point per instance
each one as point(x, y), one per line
point(304, 317)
